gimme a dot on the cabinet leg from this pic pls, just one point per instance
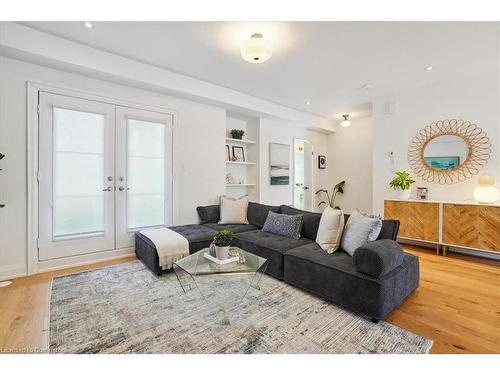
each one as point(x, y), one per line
point(445, 250)
point(437, 248)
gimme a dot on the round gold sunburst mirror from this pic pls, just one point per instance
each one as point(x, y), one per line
point(449, 151)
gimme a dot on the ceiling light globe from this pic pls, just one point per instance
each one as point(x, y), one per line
point(256, 50)
point(345, 123)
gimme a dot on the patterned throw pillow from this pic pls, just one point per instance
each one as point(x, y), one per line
point(283, 225)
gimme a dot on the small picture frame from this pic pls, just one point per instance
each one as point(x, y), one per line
point(321, 162)
point(422, 193)
point(238, 153)
point(228, 153)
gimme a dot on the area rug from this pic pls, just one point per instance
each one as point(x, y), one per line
point(128, 309)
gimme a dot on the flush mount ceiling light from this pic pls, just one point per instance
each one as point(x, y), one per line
point(256, 50)
point(345, 123)
point(308, 103)
point(428, 68)
point(88, 24)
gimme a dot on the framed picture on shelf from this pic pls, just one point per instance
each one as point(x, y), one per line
point(321, 162)
point(228, 153)
point(238, 153)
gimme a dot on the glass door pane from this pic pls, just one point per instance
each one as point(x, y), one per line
point(145, 174)
point(78, 173)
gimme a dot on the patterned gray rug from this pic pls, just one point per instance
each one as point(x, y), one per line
point(127, 309)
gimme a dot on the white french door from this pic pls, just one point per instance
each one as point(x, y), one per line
point(144, 172)
point(104, 173)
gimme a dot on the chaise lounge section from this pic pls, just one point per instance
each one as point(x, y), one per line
point(374, 281)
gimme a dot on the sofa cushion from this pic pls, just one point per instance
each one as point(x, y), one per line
point(233, 210)
point(198, 236)
point(330, 229)
point(235, 228)
point(390, 229)
point(283, 225)
point(208, 214)
point(310, 221)
point(357, 231)
point(257, 213)
point(333, 276)
point(269, 246)
point(378, 258)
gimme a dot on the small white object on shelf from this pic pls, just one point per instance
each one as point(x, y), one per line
point(221, 261)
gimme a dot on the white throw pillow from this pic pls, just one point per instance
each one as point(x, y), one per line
point(359, 230)
point(233, 210)
point(330, 229)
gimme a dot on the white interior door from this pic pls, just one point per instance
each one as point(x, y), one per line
point(143, 171)
point(76, 169)
point(303, 175)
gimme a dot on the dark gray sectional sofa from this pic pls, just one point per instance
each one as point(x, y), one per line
point(377, 279)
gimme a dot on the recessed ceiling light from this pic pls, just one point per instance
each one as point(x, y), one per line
point(308, 103)
point(88, 24)
point(256, 50)
point(428, 68)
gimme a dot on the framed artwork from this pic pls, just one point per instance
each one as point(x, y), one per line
point(279, 164)
point(443, 163)
point(321, 162)
point(228, 153)
point(238, 153)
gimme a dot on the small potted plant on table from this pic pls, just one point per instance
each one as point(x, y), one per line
point(401, 183)
point(222, 241)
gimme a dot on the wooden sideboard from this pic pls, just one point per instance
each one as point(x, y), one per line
point(466, 225)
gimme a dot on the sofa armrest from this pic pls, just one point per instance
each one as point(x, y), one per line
point(378, 258)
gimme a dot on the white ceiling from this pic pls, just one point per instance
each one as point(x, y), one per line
point(326, 63)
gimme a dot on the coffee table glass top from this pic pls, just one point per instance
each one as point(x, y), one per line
point(196, 264)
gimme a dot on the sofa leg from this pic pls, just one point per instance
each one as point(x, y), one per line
point(375, 320)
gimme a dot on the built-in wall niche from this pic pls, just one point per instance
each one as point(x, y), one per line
point(242, 158)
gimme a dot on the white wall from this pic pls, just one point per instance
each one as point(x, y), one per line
point(473, 97)
point(198, 141)
point(350, 159)
point(274, 130)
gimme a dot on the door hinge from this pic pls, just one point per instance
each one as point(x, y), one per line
point(38, 176)
point(38, 108)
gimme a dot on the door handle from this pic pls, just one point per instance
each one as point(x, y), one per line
point(107, 189)
point(305, 187)
point(121, 188)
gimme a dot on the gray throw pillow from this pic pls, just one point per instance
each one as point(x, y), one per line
point(359, 230)
point(284, 225)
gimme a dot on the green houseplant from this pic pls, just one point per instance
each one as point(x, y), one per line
point(222, 241)
point(337, 189)
point(401, 183)
point(237, 133)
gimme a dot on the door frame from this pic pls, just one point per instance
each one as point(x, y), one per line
point(312, 171)
point(32, 89)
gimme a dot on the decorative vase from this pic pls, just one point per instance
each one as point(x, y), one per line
point(221, 252)
point(403, 194)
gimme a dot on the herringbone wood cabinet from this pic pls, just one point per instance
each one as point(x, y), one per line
point(471, 226)
point(419, 221)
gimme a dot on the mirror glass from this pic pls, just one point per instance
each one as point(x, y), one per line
point(446, 152)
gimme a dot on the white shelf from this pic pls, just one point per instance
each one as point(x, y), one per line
point(237, 185)
point(240, 162)
point(233, 140)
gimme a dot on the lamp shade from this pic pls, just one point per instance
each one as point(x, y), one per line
point(486, 192)
point(256, 50)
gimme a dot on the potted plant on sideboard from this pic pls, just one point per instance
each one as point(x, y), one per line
point(222, 241)
point(401, 183)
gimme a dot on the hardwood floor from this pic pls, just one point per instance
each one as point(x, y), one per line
point(457, 305)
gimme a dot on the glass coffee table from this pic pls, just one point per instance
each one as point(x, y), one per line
point(226, 284)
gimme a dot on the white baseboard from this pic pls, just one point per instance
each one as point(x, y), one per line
point(13, 271)
point(79, 260)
